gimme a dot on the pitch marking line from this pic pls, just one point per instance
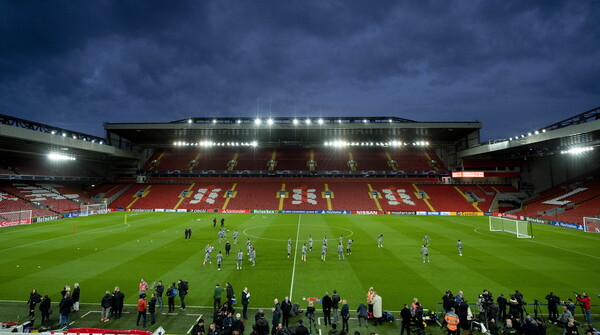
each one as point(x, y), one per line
point(195, 323)
point(295, 253)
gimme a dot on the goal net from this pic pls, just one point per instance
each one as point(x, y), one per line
point(591, 225)
point(15, 218)
point(520, 228)
point(92, 209)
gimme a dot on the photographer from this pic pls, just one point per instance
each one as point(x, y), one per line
point(553, 302)
point(586, 303)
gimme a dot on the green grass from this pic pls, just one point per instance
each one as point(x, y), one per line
point(102, 251)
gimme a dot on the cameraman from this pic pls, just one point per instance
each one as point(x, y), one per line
point(586, 302)
point(553, 302)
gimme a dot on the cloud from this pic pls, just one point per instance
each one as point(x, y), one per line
point(124, 61)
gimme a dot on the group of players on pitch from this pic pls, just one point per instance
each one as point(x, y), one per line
point(306, 248)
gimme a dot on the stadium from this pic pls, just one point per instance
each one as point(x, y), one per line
point(109, 211)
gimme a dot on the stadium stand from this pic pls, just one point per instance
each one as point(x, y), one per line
point(256, 193)
point(397, 195)
point(205, 194)
point(447, 198)
point(292, 159)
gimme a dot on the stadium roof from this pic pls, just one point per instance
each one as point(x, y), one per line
point(18, 136)
point(575, 133)
point(287, 131)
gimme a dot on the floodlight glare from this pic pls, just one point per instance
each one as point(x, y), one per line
point(254, 143)
point(53, 132)
point(339, 121)
point(60, 157)
point(543, 130)
point(214, 120)
point(307, 121)
point(239, 121)
point(295, 121)
point(537, 132)
point(270, 122)
point(257, 122)
point(189, 120)
point(320, 121)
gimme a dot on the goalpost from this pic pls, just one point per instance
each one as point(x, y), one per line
point(15, 218)
point(522, 229)
point(591, 225)
point(92, 209)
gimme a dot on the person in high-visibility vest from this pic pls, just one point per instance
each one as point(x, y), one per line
point(451, 322)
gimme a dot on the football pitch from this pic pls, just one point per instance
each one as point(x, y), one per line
point(118, 249)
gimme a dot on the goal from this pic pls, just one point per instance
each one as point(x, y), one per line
point(522, 229)
point(591, 225)
point(92, 209)
point(15, 218)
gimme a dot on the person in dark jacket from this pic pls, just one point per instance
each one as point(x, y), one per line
point(171, 297)
point(276, 315)
point(245, 302)
point(65, 311)
point(118, 301)
point(335, 302)
point(160, 289)
point(286, 308)
point(75, 295)
point(502, 302)
point(345, 313)
point(301, 330)
point(238, 325)
point(327, 304)
point(230, 293)
point(363, 314)
point(152, 308)
point(406, 316)
point(227, 324)
point(34, 299)
point(262, 326)
point(182, 286)
point(45, 305)
point(106, 304)
point(198, 328)
point(553, 302)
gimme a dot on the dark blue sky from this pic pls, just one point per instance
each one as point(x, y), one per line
point(515, 65)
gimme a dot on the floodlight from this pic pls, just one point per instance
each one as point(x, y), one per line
point(307, 121)
point(60, 157)
point(53, 132)
point(543, 130)
point(320, 121)
point(257, 122)
point(254, 143)
point(537, 132)
point(270, 122)
point(64, 134)
point(189, 120)
point(528, 134)
point(295, 121)
point(214, 120)
point(390, 121)
point(365, 121)
point(510, 138)
point(239, 121)
point(339, 121)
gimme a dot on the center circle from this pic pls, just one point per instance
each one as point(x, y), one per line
point(245, 232)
